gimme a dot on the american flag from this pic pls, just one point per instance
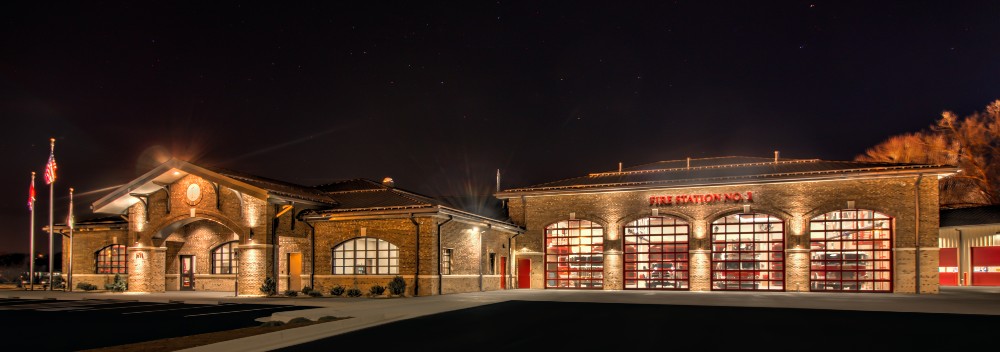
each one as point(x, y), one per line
point(31, 193)
point(50, 169)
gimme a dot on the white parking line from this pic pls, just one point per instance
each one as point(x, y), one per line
point(167, 310)
point(237, 311)
point(107, 308)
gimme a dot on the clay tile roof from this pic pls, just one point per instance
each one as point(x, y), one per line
point(280, 188)
point(981, 215)
point(363, 194)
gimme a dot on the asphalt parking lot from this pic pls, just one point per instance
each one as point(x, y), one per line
point(587, 326)
point(69, 325)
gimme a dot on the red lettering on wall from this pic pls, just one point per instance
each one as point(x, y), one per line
point(735, 197)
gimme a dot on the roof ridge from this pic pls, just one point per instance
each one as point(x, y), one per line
point(701, 167)
point(347, 180)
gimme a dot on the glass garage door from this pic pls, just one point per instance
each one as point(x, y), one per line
point(748, 253)
point(656, 254)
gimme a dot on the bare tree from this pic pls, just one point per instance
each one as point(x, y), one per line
point(972, 143)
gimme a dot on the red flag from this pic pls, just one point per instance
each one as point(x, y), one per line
point(50, 169)
point(31, 193)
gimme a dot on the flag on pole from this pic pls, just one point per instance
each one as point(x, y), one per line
point(31, 193)
point(50, 167)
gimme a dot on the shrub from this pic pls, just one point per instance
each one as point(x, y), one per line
point(315, 293)
point(270, 287)
point(86, 287)
point(376, 290)
point(297, 320)
point(326, 318)
point(291, 293)
point(354, 292)
point(120, 284)
point(337, 290)
point(272, 323)
point(109, 287)
point(307, 289)
point(397, 286)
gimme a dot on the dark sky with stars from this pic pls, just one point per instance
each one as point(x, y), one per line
point(439, 95)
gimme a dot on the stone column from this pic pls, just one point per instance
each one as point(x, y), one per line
point(253, 268)
point(797, 270)
point(147, 269)
point(700, 270)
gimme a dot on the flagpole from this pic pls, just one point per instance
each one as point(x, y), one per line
point(70, 222)
point(52, 187)
point(31, 254)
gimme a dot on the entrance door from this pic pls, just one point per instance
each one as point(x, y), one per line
point(524, 273)
point(187, 273)
point(503, 273)
point(295, 271)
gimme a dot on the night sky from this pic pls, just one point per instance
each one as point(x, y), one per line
point(441, 95)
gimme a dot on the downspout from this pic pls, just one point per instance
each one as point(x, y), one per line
point(276, 257)
point(416, 274)
point(916, 232)
point(440, 276)
point(312, 254)
point(958, 259)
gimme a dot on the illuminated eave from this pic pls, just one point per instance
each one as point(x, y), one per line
point(834, 175)
point(412, 211)
point(169, 172)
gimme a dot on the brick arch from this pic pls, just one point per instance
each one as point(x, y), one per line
point(836, 206)
point(778, 213)
point(185, 219)
point(670, 213)
point(592, 218)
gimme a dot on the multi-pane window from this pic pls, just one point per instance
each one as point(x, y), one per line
point(224, 258)
point(365, 256)
point(748, 253)
point(111, 260)
point(574, 255)
point(490, 269)
point(851, 250)
point(446, 261)
point(656, 253)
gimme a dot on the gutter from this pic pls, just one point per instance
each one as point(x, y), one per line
point(510, 254)
point(441, 276)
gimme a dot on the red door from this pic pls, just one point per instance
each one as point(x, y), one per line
point(948, 267)
point(503, 273)
point(524, 273)
point(986, 266)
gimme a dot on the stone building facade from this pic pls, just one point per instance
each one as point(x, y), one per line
point(185, 227)
point(894, 208)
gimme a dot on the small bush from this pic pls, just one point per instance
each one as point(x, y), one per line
point(291, 293)
point(326, 318)
point(315, 294)
point(120, 284)
point(270, 287)
point(337, 290)
point(354, 292)
point(86, 287)
point(272, 323)
point(376, 290)
point(307, 289)
point(397, 286)
point(299, 320)
point(109, 287)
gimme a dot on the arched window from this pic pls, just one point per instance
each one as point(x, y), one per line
point(224, 258)
point(851, 250)
point(748, 253)
point(365, 256)
point(656, 253)
point(111, 260)
point(574, 255)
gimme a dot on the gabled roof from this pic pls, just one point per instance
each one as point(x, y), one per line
point(982, 215)
point(363, 194)
point(726, 170)
point(174, 169)
point(280, 188)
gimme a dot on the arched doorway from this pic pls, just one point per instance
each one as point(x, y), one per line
point(574, 255)
point(851, 250)
point(201, 254)
point(656, 253)
point(748, 253)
